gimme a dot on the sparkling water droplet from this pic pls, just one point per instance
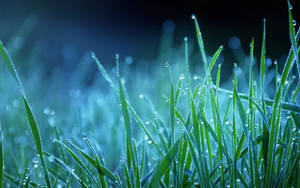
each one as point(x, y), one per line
point(195, 77)
point(166, 64)
point(84, 138)
point(141, 96)
point(35, 160)
point(278, 79)
point(51, 121)
point(147, 122)
point(51, 158)
point(149, 142)
point(212, 120)
point(181, 77)
point(230, 96)
point(286, 82)
point(193, 16)
point(185, 39)
point(227, 122)
point(146, 137)
point(35, 166)
point(46, 111)
point(294, 23)
point(54, 140)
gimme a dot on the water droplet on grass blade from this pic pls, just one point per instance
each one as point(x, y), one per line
point(141, 96)
point(51, 158)
point(181, 77)
point(193, 16)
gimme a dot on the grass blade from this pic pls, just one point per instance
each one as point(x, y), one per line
point(163, 165)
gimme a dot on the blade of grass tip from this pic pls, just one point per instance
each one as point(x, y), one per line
point(33, 125)
point(200, 41)
point(102, 70)
point(125, 116)
point(1, 157)
point(212, 63)
point(163, 165)
point(187, 67)
point(293, 36)
point(263, 66)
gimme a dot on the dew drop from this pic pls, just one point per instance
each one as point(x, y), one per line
point(147, 122)
point(181, 77)
point(166, 64)
point(193, 16)
point(294, 23)
point(141, 96)
point(146, 137)
point(149, 142)
point(46, 111)
point(51, 158)
point(54, 140)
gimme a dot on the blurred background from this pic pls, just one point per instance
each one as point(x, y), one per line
point(64, 30)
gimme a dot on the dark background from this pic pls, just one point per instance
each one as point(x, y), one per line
point(134, 27)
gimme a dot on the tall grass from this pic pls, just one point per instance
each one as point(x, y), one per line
point(202, 135)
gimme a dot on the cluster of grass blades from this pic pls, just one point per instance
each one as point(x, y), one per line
point(218, 138)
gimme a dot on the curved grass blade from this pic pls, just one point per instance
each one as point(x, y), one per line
point(67, 168)
point(293, 36)
point(163, 165)
point(32, 122)
point(200, 41)
point(77, 159)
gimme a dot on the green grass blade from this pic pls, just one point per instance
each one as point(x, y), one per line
point(33, 125)
point(263, 66)
point(293, 36)
point(77, 159)
point(200, 41)
point(163, 165)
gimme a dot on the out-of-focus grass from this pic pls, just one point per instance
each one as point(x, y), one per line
point(165, 125)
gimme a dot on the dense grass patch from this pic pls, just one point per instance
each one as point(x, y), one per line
point(166, 128)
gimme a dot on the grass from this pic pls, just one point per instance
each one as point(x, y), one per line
point(200, 135)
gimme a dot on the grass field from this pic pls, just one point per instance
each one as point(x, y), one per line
point(168, 125)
